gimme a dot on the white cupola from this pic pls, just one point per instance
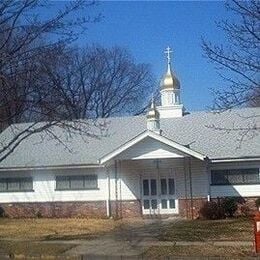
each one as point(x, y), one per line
point(153, 119)
point(170, 92)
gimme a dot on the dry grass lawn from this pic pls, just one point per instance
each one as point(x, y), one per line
point(225, 252)
point(51, 229)
point(205, 230)
point(29, 248)
point(24, 236)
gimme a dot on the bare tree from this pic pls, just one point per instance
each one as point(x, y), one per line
point(47, 81)
point(238, 64)
point(95, 82)
point(239, 61)
point(25, 36)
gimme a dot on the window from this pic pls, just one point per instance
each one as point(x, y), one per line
point(171, 187)
point(235, 176)
point(145, 187)
point(154, 204)
point(163, 187)
point(153, 187)
point(164, 204)
point(16, 184)
point(146, 204)
point(172, 204)
point(79, 182)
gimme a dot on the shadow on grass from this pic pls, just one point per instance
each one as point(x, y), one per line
point(70, 237)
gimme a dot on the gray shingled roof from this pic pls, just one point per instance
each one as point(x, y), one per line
point(195, 130)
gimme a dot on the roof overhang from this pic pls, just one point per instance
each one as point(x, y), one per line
point(58, 167)
point(241, 159)
point(157, 137)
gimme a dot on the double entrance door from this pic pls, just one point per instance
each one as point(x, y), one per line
point(159, 195)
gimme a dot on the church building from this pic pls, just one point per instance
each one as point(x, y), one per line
point(165, 163)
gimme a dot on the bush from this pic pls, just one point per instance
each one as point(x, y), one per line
point(257, 202)
point(212, 210)
point(2, 212)
point(245, 211)
point(229, 206)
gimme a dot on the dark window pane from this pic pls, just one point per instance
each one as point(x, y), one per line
point(219, 177)
point(26, 184)
point(163, 187)
point(153, 187)
point(154, 204)
point(146, 204)
point(13, 184)
point(235, 176)
point(145, 187)
point(77, 182)
point(3, 185)
point(251, 178)
point(62, 182)
point(91, 181)
point(171, 187)
point(164, 204)
point(172, 204)
point(16, 184)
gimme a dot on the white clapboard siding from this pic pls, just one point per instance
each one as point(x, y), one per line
point(235, 191)
point(149, 148)
point(44, 185)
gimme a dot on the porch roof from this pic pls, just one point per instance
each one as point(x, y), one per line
point(181, 148)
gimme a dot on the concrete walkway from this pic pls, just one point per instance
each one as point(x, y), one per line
point(131, 240)
point(128, 240)
point(134, 239)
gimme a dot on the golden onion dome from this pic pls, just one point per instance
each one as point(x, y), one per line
point(169, 80)
point(153, 112)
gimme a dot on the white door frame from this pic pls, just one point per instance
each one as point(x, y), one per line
point(164, 200)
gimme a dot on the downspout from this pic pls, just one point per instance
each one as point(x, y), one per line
point(191, 191)
point(108, 202)
point(116, 190)
point(120, 188)
point(158, 184)
point(185, 186)
point(209, 180)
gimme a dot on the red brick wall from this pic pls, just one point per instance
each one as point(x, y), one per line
point(55, 209)
point(122, 209)
point(185, 209)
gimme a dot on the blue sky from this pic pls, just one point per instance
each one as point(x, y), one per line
point(146, 28)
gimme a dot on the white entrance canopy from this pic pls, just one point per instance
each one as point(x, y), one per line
point(167, 149)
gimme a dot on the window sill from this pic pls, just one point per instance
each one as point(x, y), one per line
point(10, 191)
point(76, 189)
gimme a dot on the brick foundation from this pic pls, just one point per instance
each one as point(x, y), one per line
point(185, 209)
point(55, 209)
point(120, 209)
point(126, 209)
